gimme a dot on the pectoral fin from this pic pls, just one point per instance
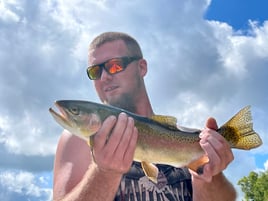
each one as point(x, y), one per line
point(150, 170)
point(198, 164)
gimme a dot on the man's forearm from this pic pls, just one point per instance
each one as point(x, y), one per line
point(219, 189)
point(95, 186)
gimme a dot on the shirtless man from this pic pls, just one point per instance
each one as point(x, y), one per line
point(108, 173)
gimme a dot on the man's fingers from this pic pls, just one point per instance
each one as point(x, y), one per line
point(102, 135)
point(211, 123)
point(117, 133)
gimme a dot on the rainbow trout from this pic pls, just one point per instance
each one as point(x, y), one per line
point(160, 140)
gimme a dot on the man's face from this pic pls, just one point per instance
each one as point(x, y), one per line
point(118, 89)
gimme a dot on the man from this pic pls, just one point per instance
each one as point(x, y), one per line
point(106, 171)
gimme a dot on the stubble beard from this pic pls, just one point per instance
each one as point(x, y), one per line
point(125, 101)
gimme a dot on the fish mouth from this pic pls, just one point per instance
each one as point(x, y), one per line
point(61, 117)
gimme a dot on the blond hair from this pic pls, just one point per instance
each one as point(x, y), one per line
point(131, 44)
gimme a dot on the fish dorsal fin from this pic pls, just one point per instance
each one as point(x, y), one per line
point(169, 121)
point(150, 170)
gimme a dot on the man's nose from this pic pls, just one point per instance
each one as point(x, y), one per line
point(105, 76)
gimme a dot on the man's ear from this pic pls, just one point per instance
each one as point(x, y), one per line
point(143, 67)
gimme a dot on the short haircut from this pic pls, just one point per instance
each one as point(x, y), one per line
point(131, 44)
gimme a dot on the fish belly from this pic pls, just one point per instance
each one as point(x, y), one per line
point(161, 150)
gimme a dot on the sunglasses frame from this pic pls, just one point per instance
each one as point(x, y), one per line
point(126, 60)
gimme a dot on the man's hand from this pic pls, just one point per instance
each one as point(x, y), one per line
point(114, 144)
point(216, 148)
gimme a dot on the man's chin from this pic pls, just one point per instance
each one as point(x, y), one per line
point(124, 101)
point(111, 101)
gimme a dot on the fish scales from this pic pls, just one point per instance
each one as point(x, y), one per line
point(160, 140)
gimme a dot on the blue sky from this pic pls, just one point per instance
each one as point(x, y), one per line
point(206, 58)
point(237, 12)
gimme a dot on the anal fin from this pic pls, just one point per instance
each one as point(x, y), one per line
point(150, 170)
point(198, 164)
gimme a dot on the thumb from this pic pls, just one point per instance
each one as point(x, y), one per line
point(211, 123)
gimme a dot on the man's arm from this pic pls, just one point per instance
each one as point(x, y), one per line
point(218, 189)
point(95, 185)
point(79, 177)
point(212, 184)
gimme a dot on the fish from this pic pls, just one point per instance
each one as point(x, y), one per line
point(160, 139)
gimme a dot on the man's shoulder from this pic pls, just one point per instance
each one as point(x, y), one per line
point(67, 137)
point(68, 143)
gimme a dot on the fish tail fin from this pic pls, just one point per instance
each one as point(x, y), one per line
point(238, 131)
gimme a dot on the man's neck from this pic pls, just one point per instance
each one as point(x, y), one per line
point(144, 107)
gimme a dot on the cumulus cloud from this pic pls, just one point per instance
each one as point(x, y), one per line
point(266, 165)
point(197, 68)
point(23, 186)
point(7, 15)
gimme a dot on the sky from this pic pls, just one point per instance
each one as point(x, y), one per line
point(205, 58)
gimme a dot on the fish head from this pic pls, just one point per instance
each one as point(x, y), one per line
point(77, 117)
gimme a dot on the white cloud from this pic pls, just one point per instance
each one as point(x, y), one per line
point(18, 136)
point(6, 14)
point(266, 165)
point(23, 186)
point(197, 69)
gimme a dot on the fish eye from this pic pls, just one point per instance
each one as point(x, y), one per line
point(74, 110)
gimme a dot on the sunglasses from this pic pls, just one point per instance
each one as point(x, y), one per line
point(112, 66)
